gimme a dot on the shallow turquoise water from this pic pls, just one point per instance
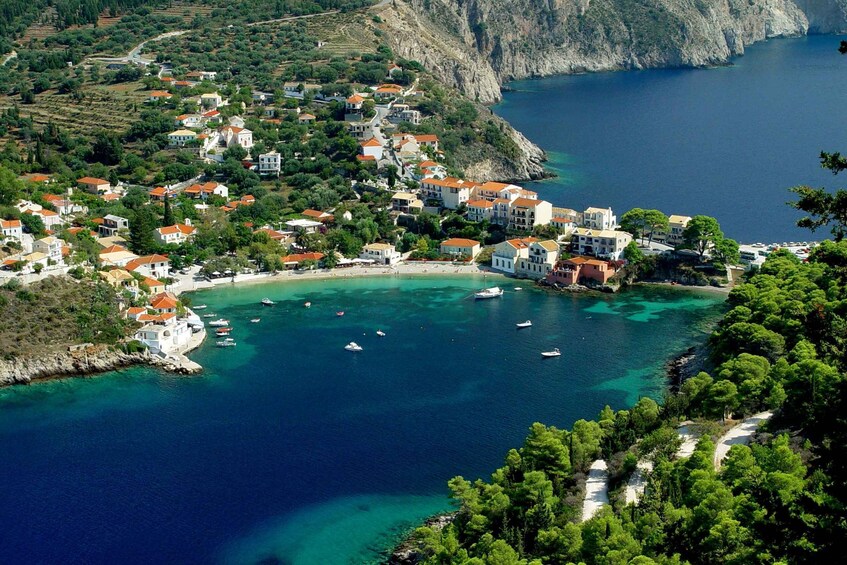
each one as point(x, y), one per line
point(289, 448)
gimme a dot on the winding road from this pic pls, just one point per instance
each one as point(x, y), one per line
point(739, 435)
point(596, 489)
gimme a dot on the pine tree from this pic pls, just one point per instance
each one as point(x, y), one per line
point(168, 217)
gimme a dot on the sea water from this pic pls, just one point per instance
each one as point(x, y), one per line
point(290, 449)
point(725, 142)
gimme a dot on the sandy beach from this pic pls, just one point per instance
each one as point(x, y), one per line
point(192, 281)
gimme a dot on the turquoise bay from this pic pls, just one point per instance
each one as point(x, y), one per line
point(292, 450)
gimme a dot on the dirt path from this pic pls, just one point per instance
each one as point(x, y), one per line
point(596, 489)
point(739, 435)
point(8, 58)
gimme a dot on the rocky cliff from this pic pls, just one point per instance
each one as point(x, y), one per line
point(76, 361)
point(476, 45)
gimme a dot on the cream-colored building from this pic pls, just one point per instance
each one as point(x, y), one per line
point(460, 247)
point(507, 253)
point(526, 213)
point(599, 219)
point(380, 253)
point(607, 244)
point(540, 260)
point(406, 202)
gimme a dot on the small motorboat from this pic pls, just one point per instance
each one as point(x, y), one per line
point(219, 323)
point(380, 333)
point(492, 292)
point(308, 305)
point(229, 342)
point(339, 313)
point(518, 288)
point(255, 320)
point(223, 332)
point(554, 353)
point(353, 346)
point(209, 315)
point(200, 307)
point(527, 324)
point(267, 302)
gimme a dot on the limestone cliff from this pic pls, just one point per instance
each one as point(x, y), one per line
point(475, 45)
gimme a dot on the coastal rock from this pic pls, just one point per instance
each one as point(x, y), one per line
point(406, 553)
point(76, 361)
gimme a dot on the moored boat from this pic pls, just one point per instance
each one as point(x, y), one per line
point(353, 346)
point(219, 323)
point(267, 302)
point(518, 288)
point(526, 324)
point(380, 333)
point(200, 307)
point(492, 292)
point(209, 315)
point(308, 305)
point(229, 342)
point(222, 332)
point(255, 320)
point(339, 313)
point(554, 353)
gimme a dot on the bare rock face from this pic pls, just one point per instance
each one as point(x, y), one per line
point(478, 44)
point(79, 361)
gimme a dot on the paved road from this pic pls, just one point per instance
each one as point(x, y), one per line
point(596, 489)
point(739, 435)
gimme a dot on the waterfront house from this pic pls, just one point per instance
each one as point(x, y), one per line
point(156, 266)
point(380, 253)
point(163, 333)
point(599, 219)
point(526, 213)
point(676, 227)
point(577, 270)
point(94, 185)
point(507, 253)
point(164, 302)
point(175, 234)
point(606, 244)
point(293, 260)
point(540, 260)
point(460, 247)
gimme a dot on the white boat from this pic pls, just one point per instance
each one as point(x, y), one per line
point(353, 346)
point(223, 332)
point(526, 324)
point(518, 288)
point(220, 323)
point(267, 302)
point(308, 305)
point(255, 320)
point(229, 342)
point(380, 333)
point(554, 353)
point(492, 292)
point(209, 315)
point(200, 307)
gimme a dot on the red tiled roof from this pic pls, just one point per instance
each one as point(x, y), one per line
point(459, 242)
point(298, 257)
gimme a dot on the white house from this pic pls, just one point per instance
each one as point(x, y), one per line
point(371, 148)
point(189, 120)
point(233, 135)
point(164, 334)
point(676, 227)
point(270, 163)
point(50, 246)
point(12, 229)
point(460, 247)
point(451, 192)
point(112, 225)
point(540, 261)
point(51, 220)
point(156, 266)
point(380, 253)
point(307, 226)
point(181, 137)
point(175, 234)
point(607, 244)
point(210, 100)
point(507, 253)
point(599, 219)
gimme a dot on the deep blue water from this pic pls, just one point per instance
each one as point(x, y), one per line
point(724, 142)
point(292, 448)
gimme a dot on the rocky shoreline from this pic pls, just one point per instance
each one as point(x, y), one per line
point(406, 552)
point(79, 361)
